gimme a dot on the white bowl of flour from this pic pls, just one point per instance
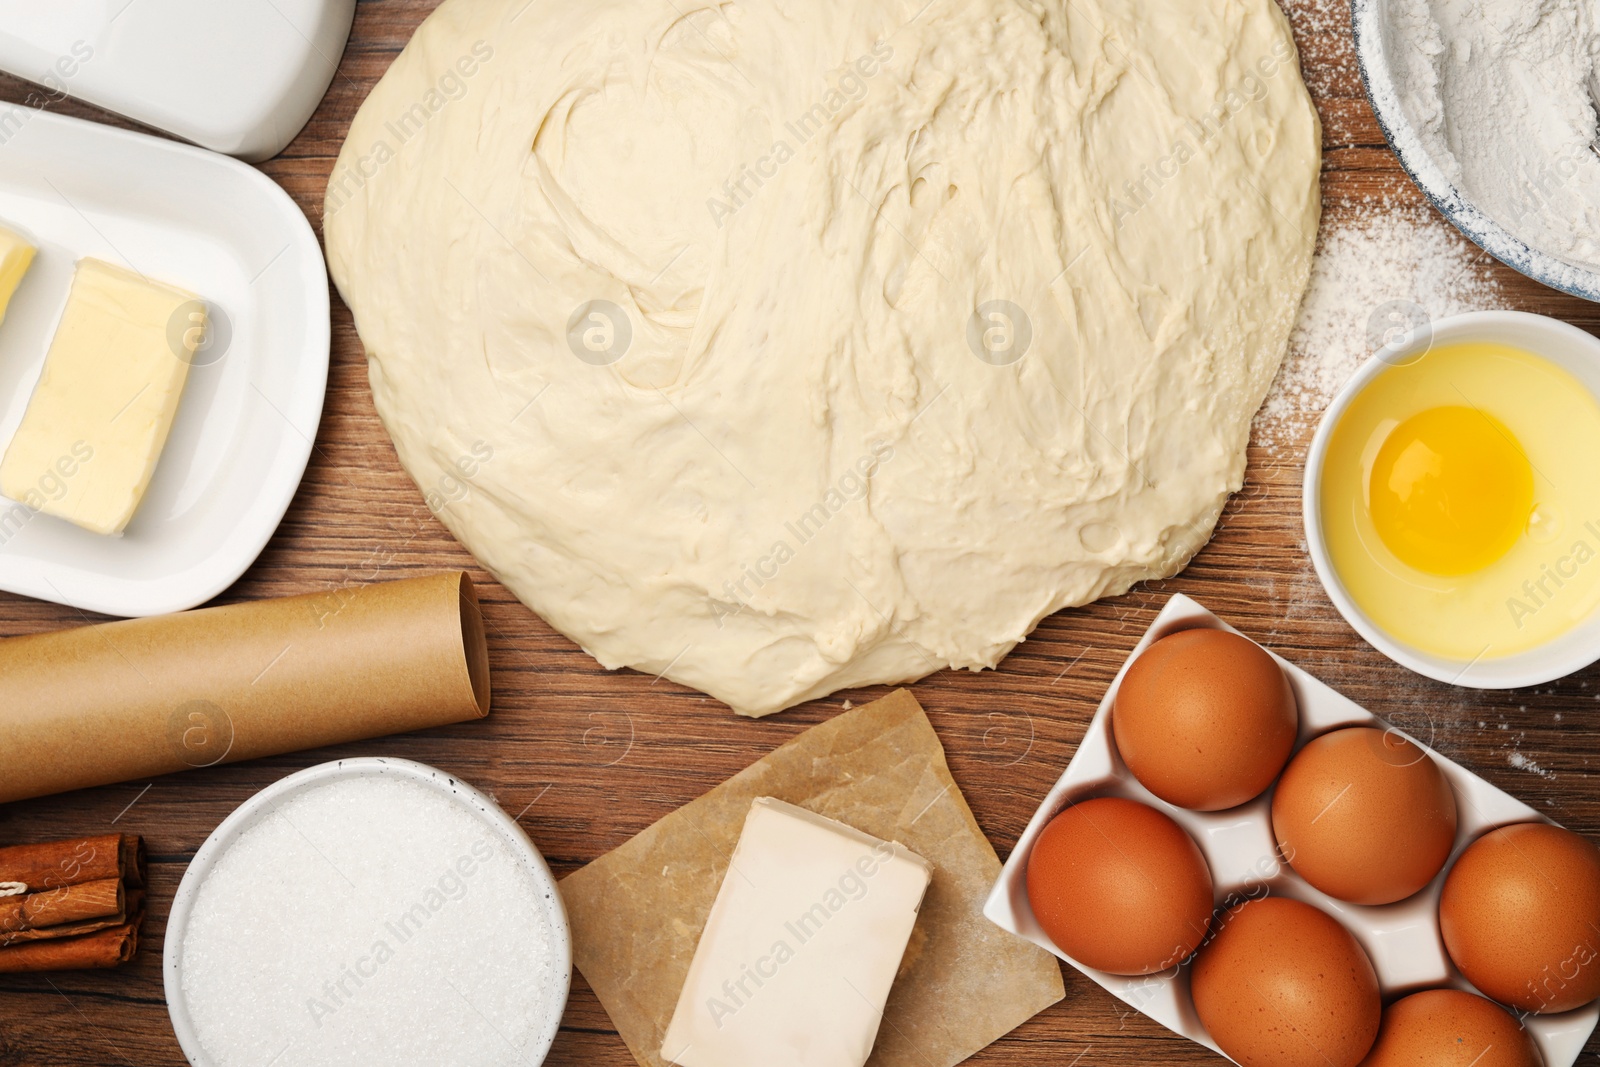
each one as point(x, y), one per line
point(1490, 105)
point(367, 911)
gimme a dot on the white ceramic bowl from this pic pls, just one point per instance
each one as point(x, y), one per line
point(269, 799)
point(1567, 347)
point(1376, 40)
point(1401, 939)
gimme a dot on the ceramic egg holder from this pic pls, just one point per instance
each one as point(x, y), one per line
point(1401, 939)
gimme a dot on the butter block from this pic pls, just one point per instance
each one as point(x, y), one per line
point(99, 417)
point(16, 256)
point(801, 946)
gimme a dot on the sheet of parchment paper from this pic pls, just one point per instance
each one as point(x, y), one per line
point(637, 912)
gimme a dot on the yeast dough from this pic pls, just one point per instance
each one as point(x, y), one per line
point(782, 346)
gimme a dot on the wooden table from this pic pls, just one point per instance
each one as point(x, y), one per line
point(590, 758)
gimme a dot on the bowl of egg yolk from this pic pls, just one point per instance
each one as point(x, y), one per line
point(1452, 500)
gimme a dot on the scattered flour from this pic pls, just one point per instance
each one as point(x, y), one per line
point(1327, 51)
point(1523, 763)
point(1379, 270)
point(1316, 16)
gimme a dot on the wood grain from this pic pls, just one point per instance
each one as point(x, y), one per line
point(589, 757)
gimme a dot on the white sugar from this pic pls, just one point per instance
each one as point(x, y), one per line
point(365, 921)
point(1378, 268)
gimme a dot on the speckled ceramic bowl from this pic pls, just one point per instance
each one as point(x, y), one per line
point(1376, 41)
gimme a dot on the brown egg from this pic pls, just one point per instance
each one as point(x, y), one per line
point(1205, 719)
point(1120, 887)
point(1364, 815)
point(1284, 985)
point(1450, 1028)
point(1520, 914)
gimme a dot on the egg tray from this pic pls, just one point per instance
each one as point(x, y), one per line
point(1402, 939)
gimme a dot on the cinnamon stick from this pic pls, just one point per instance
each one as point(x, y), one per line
point(69, 904)
point(108, 948)
point(56, 864)
point(131, 859)
point(133, 913)
point(81, 905)
point(55, 933)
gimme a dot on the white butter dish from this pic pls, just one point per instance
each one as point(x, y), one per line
point(1402, 939)
point(249, 412)
point(235, 76)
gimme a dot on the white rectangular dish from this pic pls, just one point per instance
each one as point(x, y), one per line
point(1402, 939)
point(235, 76)
point(244, 429)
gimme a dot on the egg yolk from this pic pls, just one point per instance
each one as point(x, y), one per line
point(1451, 491)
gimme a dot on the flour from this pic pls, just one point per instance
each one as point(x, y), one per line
point(1377, 268)
point(1327, 52)
point(1522, 763)
point(1501, 93)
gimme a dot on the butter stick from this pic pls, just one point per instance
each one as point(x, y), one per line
point(100, 415)
point(801, 946)
point(16, 256)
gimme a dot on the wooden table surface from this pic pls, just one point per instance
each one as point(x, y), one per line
point(590, 758)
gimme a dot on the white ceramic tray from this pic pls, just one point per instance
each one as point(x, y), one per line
point(1402, 939)
point(236, 76)
point(269, 799)
point(250, 410)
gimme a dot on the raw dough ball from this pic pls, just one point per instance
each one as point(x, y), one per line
point(794, 345)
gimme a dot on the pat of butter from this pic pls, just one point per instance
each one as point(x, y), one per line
point(16, 256)
point(100, 415)
point(804, 939)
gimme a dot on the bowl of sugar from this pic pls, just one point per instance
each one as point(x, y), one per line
point(367, 911)
point(1491, 107)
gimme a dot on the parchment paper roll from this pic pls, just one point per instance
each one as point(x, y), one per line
point(145, 697)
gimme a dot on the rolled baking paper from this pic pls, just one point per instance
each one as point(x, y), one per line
point(144, 697)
